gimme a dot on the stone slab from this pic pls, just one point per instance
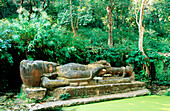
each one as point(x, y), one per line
point(36, 93)
point(109, 80)
point(72, 102)
point(96, 90)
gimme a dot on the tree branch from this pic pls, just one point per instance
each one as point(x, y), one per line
point(71, 15)
point(78, 16)
point(142, 11)
point(136, 13)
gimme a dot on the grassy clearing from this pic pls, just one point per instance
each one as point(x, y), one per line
point(144, 103)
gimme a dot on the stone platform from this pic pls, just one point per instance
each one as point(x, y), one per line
point(96, 90)
point(58, 104)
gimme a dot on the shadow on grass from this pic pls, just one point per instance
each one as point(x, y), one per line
point(52, 109)
point(58, 109)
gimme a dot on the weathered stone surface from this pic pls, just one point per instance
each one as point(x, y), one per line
point(156, 88)
point(161, 92)
point(53, 83)
point(109, 80)
point(92, 90)
point(23, 87)
point(75, 70)
point(74, 84)
point(36, 93)
point(120, 71)
point(83, 83)
point(31, 71)
point(57, 104)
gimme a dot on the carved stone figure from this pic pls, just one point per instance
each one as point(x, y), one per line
point(31, 71)
point(49, 74)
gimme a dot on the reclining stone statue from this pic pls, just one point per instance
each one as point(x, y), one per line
point(49, 74)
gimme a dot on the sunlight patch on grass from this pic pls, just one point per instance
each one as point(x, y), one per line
point(166, 104)
point(164, 109)
point(143, 101)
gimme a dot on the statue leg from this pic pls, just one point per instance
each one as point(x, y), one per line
point(53, 83)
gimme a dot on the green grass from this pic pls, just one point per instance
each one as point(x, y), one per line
point(143, 103)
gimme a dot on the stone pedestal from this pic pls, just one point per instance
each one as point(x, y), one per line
point(37, 93)
point(96, 90)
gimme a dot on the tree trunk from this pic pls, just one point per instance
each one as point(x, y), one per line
point(141, 27)
point(109, 13)
point(141, 32)
point(110, 40)
point(75, 32)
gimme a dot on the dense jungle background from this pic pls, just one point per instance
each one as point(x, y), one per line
point(85, 31)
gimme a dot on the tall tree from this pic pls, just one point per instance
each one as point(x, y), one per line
point(109, 13)
point(141, 31)
point(73, 14)
point(75, 25)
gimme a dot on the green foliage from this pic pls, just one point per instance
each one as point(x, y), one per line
point(65, 96)
point(167, 93)
point(4, 46)
point(22, 96)
point(84, 95)
point(96, 36)
point(80, 11)
point(137, 59)
point(162, 71)
point(7, 9)
point(25, 32)
point(36, 34)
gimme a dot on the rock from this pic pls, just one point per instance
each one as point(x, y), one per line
point(161, 92)
point(36, 93)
